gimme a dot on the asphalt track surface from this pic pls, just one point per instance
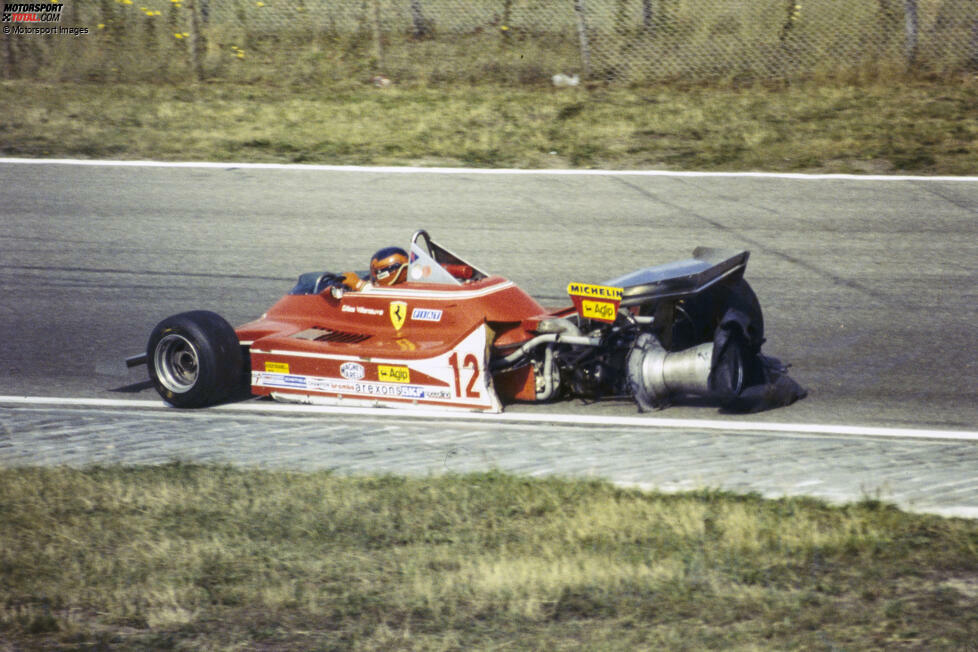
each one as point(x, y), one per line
point(868, 285)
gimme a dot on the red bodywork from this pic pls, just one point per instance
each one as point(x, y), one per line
point(415, 343)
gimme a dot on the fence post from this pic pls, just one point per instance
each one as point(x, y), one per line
point(973, 45)
point(791, 18)
point(582, 36)
point(421, 28)
point(378, 35)
point(647, 23)
point(8, 57)
point(196, 41)
point(912, 30)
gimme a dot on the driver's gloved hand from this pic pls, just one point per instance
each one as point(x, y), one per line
point(327, 280)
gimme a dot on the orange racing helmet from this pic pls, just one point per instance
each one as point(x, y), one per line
point(389, 266)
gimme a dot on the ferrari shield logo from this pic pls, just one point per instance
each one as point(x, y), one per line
point(398, 312)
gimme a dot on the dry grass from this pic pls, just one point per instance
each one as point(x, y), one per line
point(921, 127)
point(188, 557)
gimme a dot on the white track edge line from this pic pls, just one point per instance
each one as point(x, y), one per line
point(489, 171)
point(651, 422)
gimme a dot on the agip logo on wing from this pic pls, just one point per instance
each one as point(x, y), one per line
point(598, 302)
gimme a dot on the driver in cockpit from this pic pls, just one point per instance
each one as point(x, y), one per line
point(387, 267)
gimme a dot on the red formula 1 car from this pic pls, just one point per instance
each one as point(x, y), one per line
point(454, 336)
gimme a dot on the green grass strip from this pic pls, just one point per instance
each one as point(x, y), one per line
point(200, 557)
point(918, 126)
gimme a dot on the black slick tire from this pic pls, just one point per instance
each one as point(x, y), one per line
point(194, 359)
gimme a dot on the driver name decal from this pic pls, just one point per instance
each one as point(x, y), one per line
point(361, 310)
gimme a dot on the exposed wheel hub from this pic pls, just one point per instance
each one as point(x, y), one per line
point(177, 363)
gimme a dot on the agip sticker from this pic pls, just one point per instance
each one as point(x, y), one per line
point(600, 310)
point(598, 302)
point(393, 374)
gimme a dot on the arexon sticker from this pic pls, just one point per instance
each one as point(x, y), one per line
point(426, 314)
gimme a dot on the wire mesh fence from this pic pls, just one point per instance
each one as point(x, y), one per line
point(496, 40)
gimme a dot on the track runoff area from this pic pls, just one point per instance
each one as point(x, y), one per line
point(645, 422)
point(271, 408)
point(214, 165)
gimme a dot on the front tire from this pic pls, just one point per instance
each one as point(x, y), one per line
point(194, 359)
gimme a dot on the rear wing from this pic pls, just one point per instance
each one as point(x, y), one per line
point(706, 268)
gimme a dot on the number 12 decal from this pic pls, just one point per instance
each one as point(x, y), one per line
point(470, 362)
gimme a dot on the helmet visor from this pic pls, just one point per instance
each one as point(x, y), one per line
point(383, 273)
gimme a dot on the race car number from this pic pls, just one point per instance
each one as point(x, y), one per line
point(470, 362)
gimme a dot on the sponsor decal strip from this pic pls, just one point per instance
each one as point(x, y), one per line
point(396, 385)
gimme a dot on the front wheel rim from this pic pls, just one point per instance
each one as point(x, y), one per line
point(177, 363)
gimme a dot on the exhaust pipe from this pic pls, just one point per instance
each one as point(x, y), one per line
point(654, 374)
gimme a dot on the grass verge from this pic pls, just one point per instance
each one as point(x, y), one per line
point(907, 126)
point(198, 557)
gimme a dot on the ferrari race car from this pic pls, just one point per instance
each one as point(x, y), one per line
point(454, 336)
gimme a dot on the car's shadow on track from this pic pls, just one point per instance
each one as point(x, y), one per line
point(132, 388)
point(241, 395)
